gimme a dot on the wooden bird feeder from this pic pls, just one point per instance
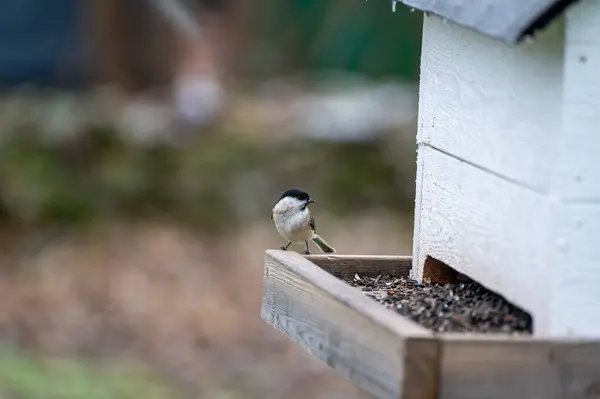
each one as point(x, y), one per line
point(508, 194)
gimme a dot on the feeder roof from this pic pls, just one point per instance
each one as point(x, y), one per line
point(507, 20)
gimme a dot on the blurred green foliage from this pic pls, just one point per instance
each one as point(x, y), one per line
point(23, 376)
point(97, 175)
point(353, 35)
point(207, 181)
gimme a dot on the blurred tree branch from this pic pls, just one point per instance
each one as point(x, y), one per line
point(132, 44)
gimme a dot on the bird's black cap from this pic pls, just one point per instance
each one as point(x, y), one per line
point(295, 193)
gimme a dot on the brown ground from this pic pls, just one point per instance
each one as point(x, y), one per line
point(186, 304)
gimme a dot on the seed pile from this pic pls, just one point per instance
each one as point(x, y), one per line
point(456, 307)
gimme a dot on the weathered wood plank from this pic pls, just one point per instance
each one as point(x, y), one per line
point(500, 367)
point(391, 357)
point(344, 266)
point(383, 353)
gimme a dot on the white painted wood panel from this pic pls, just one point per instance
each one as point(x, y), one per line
point(574, 298)
point(577, 167)
point(508, 179)
point(539, 253)
point(490, 104)
point(485, 227)
point(419, 175)
point(417, 261)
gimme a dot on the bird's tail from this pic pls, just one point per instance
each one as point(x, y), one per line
point(322, 244)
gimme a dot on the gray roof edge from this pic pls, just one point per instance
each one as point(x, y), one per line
point(507, 20)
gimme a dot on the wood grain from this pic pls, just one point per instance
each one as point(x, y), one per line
point(575, 302)
point(499, 367)
point(391, 357)
point(438, 272)
point(508, 188)
point(344, 266)
point(492, 105)
point(482, 235)
point(577, 171)
point(383, 353)
point(536, 252)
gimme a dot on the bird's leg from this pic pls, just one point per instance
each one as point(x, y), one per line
point(285, 247)
point(307, 252)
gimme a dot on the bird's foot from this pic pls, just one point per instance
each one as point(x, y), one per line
point(285, 247)
point(307, 251)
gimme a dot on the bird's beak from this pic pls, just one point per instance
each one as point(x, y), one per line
point(310, 201)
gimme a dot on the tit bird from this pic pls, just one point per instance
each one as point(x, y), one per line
point(295, 223)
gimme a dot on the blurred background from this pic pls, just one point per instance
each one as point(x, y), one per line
point(143, 144)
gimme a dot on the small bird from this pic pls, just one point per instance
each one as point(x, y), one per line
point(295, 223)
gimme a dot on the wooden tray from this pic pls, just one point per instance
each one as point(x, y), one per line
point(392, 357)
